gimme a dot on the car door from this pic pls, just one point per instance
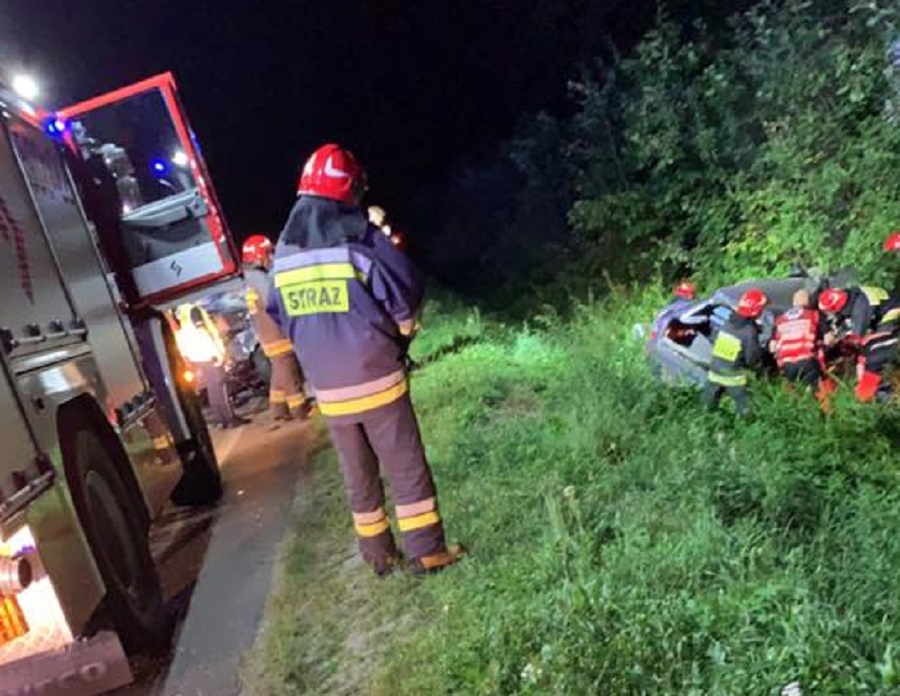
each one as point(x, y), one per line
point(138, 143)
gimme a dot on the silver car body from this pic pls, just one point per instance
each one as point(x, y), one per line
point(679, 347)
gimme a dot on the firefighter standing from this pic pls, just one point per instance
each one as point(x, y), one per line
point(348, 299)
point(866, 318)
point(735, 351)
point(286, 397)
point(199, 342)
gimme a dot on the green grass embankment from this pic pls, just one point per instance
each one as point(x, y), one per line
point(623, 541)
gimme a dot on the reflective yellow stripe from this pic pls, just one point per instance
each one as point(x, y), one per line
point(359, 390)
point(161, 442)
point(277, 348)
point(408, 524)
point(276, 396)
point(253, 301)
point(295, 400)
point(727, 347)
point(728, 380)
point(324, 271)
point(374, 529)
point(891, 315)
point(366, 403)
point(875, 295)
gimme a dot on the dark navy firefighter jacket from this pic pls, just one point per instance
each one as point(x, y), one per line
point(349, 301)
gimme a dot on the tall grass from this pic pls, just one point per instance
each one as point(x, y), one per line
point(623, 540)
point(627, 542)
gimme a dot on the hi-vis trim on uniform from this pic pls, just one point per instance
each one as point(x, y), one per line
point(277, 348)
point(325, 271)
point(366, 389)
point(315, 257)
point(372, 530)
point(408, 524)
point(875, 295)
point(419, 508)
point(728, 380)
point(295, 401)
point(317, 297)
point(727, 347)
point(371, 524)
point(366, 403)
point(890, 315)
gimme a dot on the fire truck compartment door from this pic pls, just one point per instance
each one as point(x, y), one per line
point(34, 301)
point(138, 141)
point(79, 262)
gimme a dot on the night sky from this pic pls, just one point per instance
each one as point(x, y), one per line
point(413, 87)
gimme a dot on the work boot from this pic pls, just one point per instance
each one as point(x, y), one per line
point(383, 567)
point(427, 565)
point(307, 409)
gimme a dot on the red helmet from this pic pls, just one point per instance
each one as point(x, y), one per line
point(752, 303)
point(684, 290)
point(833, 300)
point(333, 172)
point(256, 249)
point(892, 243)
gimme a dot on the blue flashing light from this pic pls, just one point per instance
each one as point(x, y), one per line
point(159, 166)
point(55, 127)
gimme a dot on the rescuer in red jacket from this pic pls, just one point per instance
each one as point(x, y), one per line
point(798, 349)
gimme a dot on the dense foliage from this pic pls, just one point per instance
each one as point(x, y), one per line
point(767, 142)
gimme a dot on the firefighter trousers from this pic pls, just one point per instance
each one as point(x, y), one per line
point(805, 372)
point(389, 435)
point(713, 393)
point(285, 386)
point(878, 354)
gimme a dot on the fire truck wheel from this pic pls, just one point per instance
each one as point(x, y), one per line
point(201, 483)
point(134, 600)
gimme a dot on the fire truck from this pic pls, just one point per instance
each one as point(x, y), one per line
point(108, 218)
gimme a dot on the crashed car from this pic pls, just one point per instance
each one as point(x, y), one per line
point(246, 368)
point(680, 341)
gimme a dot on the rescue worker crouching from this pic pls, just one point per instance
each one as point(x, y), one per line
point(867, 318)
point(348, 300)
point(735, 352)
point(797, 346)
point(286, 396)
